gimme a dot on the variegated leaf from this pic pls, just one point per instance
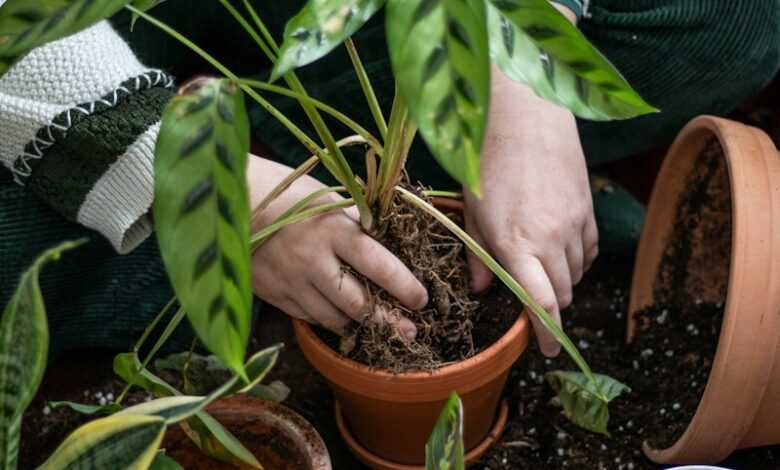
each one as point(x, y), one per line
point(24, 345)
point(87, 409)
point(128, 442)
point(201, 211)
point(584, 402)
point(27, 24)
point(533, 43)
point(318, 28)
point(444, 450)
point(439, 52)
point(172, 409)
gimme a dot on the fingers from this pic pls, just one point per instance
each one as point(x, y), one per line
point(321, 310)
point(575, 260)
point(590, 243)
point(293, 309)
point(557, 269)
point(530, 273)
point(375, 262)
point(349, 296)
point(481, 275)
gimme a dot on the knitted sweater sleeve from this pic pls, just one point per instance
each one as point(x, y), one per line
point(78, 121)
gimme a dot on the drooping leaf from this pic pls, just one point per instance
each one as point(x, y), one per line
point(142, 5)
point(444, 450)
point(117, 442)
point(586, 403)
point(206, 432)
point(201, 211)
point(87, 409)
point(535, 44)
point(163, 462)
point(276, 391)
point(27, 24)
point(172, 409)
point(318, 28)
point(204, 374)
point(440, 57)
point(24, 345)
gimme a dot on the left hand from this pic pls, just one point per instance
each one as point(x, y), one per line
point(536, 213)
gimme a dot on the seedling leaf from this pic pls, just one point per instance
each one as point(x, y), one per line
point(585, 402)
point(444, 450)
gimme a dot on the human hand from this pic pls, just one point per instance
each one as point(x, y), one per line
point(536, 213)
point(300, 269)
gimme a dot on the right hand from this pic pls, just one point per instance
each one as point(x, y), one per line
point(300, 268)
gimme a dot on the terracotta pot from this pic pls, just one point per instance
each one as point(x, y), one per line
point(392, 415)
point(739, 407)
point(279, 438)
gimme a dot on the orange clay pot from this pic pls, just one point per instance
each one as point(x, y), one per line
point(387, 418)
point(740, 406)
point(279, 438)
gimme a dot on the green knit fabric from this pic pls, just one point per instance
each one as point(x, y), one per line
point(687, 57)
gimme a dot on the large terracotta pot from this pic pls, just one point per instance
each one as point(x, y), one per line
point(278, 437)
point(388, 417)
point(740, 406)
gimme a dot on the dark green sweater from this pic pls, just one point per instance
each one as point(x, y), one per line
point(686, 57)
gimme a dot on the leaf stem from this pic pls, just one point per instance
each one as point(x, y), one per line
point(437, 193)
point(259, 237)
point(368, 90)
point(153, 325)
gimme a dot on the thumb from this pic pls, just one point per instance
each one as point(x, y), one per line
point(530, 273)
point(481, 275)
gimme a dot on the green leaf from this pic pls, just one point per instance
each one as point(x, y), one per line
point(584, 402)
point(276, 391)
point(117, 442)
point(27, 24)
point(201, 211)
point(24, 345)
point(535, 44)
point(142, 5)
point(318, 28)
point(204, 374)
point(257, 367)
point(163, 462)
point(128, 367)
point(85, 409)
point(444, 450)
point(172, 409)
point(439, 52)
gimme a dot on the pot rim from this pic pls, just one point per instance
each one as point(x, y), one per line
point(695, 444)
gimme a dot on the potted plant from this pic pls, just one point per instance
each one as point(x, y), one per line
point(738, 407)
point(441, 53)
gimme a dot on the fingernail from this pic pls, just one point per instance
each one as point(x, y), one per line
point(423, 302)
point(409, 330)
point(551, 350)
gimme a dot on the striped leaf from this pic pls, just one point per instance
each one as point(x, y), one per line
point(439, 52)
point(27, 24)
point(201, 211)
point(24, 345)
point(206, 432)
point(172, 409)
point(117, 442)
point(318, 28)
point(535, 44)
point(584, 402)
point(444, 450)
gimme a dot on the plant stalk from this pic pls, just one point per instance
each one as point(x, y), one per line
point(368, 90)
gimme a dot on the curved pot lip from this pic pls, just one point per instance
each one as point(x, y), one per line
point(697, 443)
point(522, 324)
point(283, 419)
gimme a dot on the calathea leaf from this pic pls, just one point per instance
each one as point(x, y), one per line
point(444, 450)
point(585, 402)
point(24, 346)
point(128, 442)
point(318, 28)
point(27, 24)
point(533, 43)
point(439, 52)
point(201, 211)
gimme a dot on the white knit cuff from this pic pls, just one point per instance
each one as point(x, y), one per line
point(118, 204)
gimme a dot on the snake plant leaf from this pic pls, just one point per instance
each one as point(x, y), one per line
point(206, 432)
point(27, 24)
point(24, 345)
point(585, 402)
point(163, 462)
point(172, 409)
point(535, 44)
point(444, 450)
point(201, 210)
point(87, 409)
point(440, 57)
point(318, 28)
point(128, 442)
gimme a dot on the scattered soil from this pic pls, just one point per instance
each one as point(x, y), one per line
point(452, 326)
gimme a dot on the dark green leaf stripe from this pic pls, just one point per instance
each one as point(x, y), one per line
point(318, 28)
point(533, 43)
point(439, 51)
point(24, 344)
point(27, 24)
point(201, 211)
point(444, 449)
